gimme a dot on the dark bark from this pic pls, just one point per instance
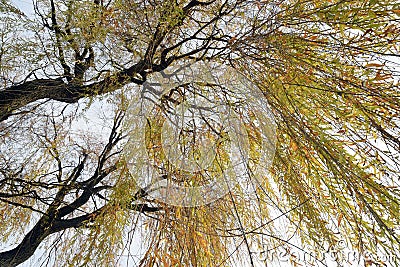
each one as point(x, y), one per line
point(47, 226)
point(59, 215)
point(69, 88)
point(27, 247)
point(20, 95)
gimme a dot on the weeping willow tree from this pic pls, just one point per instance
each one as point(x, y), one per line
point(71, 72)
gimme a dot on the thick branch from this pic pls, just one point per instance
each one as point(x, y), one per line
point(28, 245)
point(20, 95)
point(47, 226)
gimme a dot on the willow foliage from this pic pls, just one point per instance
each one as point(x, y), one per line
point(329, 70)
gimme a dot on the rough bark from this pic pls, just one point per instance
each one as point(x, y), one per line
point(47, 226)
point(70, 88)
point(20, 95)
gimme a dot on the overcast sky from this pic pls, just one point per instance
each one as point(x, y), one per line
point(27, 7)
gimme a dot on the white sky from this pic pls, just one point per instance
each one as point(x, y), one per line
point(27, 7)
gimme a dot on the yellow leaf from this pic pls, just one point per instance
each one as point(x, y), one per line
point(380, 77)
point(293, 145)
point(369, 65)
point(340, 219)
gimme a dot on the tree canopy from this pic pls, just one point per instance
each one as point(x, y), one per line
point(70, 74)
